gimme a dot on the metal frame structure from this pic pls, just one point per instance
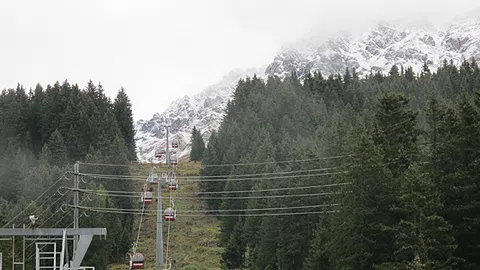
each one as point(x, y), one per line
point(46, 256)
point(84, 235)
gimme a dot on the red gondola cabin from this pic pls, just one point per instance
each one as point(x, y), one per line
point(153, 179)
point(159, 153)
point(173, 160)
point(137, 261)
point(169, 214)
point(147, 197)
point(172, 184)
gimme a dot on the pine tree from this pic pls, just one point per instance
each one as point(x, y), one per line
point(396, 132)
point(123, 114)
point(198, 145)
point(57, 150)
point(423, 237)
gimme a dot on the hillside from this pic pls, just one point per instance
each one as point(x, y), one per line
point(193, 240)
point(377, 173)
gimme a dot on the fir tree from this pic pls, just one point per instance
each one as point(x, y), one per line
point(198, 145)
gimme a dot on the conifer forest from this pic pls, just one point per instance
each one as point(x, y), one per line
point(42, 133)
point(372, 172)
point(387, 166)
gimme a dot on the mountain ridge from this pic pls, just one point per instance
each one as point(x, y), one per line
point(375, 50)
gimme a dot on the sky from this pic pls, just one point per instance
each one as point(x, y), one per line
point(160, 50)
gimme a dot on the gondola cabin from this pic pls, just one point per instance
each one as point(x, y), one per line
point(173, 160)
point(159, 153)
point(174, 144)
point(172, 184)
point(137, 261)
point(147, 197)
point(153, 179)
point(169, 214)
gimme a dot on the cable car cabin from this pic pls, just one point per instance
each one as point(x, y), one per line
point(174, 144)
point(173, 160)
point(153, 179)
point(137, 261)
point(169, 214)
point(172, 184)
point(159, 153)
point(147, 197)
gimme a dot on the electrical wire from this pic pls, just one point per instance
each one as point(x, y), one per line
point(117, 192)
point(230, 164)
point(220, 215)
point(232, 198)
point(229, 176)
point(276, 162)
point(112, 177)
point(139, 225)
point(213, 211)
point(28, 206)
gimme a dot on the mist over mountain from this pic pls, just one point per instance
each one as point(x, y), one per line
point(375, 50)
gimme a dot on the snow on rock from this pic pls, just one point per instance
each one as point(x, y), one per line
point(203, 110)
point(380, 48)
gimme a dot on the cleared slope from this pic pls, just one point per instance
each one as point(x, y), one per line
point(193, 241)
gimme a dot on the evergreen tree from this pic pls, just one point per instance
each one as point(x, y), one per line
point(123, 114)
point(57, 150)
point(422, 237)
point(396, 132)
point(198, 145)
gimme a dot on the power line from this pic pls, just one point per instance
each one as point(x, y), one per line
point(276, 162)
point(224, 198)
point(255, 174)
point(213, 211)
point(113, 177)
point(50, 205)
point(120, 192)
point(267, 190)
point(109, 164)
point(28, 206)
point(229, 164)
point(230, 176)
point(215, 215)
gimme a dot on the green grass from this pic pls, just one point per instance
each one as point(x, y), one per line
point(193, 242)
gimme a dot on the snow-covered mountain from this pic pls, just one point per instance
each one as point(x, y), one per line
point(203, 110)
point(380, 48)
point(374, 50)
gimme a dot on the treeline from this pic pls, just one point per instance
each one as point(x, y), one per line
point(402, 191)
point(43, 132)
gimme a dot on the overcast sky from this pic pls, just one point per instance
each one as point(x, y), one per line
point(162, 50)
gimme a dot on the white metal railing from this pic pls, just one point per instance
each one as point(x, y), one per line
point(46, 256)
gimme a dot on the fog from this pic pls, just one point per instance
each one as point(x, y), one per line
point(161, 50)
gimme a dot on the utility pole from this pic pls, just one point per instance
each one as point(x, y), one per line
point(159, 244)
point(13, 249)
point(23, 258)
point(76, 171)
point(167, 157)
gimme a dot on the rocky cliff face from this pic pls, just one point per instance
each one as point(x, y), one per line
point(380, 48)
point(203, 110)
point(372, 51)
